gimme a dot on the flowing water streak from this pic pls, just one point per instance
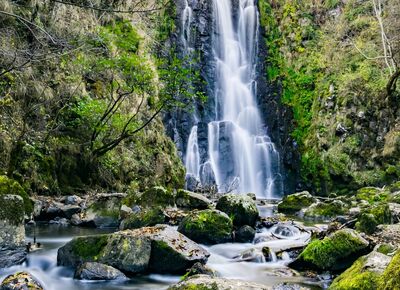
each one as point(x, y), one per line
point(192, 156)
point(239, 150)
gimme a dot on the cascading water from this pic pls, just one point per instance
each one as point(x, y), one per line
point(240, 153)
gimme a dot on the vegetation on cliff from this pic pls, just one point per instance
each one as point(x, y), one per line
point(337, 65)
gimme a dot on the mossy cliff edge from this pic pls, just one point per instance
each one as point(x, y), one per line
point(325, 59)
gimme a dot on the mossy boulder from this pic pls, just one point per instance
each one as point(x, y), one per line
point(157, 196)
point(207, 226)
point(372, 194)
point(293, 203)
point(10, 186)
point(335, 252)
point(366, 223)
point(241, 208)
point(325, 210)
point(159, 249)
point(191, 200)
point(103, 210)
point(245, 234)
point(363, 274)
point(20, 281)
point(146, 217)
point(12, 233)
point(205, 282)
point(373, 216)
point(390, 278)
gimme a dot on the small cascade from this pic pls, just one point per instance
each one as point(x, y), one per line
point(186, 26)
point(192, 160)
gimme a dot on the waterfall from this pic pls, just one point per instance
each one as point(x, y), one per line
point(241, 156)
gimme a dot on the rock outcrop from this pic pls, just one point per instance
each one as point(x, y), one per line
point(241, 208)
point(97, 271)
point(335, 252)
point(207, 227)
point(159, 249)
point(12, 233)
point(199, 282)
point(20, 281)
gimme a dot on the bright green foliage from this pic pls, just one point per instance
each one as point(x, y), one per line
point(9, 186)
point(328, 253)
point(390, 280)
point(356, 278)
point(313, 55)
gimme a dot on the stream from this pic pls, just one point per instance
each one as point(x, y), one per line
point(244, 261)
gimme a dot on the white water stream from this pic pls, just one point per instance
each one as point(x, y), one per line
point(240, 152)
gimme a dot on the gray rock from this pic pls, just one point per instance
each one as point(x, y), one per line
point(125, 211)
point(187, 199)
point(97, 271)
point(207, 282)
point(245, 234)
point(68, 211)
point(20, 281)
point(242, 209)
point(159, 249)
point(72, 200)
point(12, 233)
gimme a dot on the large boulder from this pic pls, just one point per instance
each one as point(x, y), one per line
point(159, 249)
point(12, 233)
point(205, 282)
point(103, 210)
point(335, 252)
point(325, 210)
point(241, 208)
point(144, 217)
point(97, 271)
point(207, 227)
point(20, 281)
point(245, 234)
point(156, 196)
point(293, 203)
point(191, 200)
point(363, 274)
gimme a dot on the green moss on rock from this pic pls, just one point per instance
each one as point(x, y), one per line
point(295, 202)
point(241, 208)
point(356, 278)
point(391, 277)
point(145, 218)
point(89, 247)
point(10, 186)
point(12, 209)
point(157, 196)
point(334, 252)
point(207, 226)
point(324, 210)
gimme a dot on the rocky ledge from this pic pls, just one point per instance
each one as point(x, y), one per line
point(159, 249)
